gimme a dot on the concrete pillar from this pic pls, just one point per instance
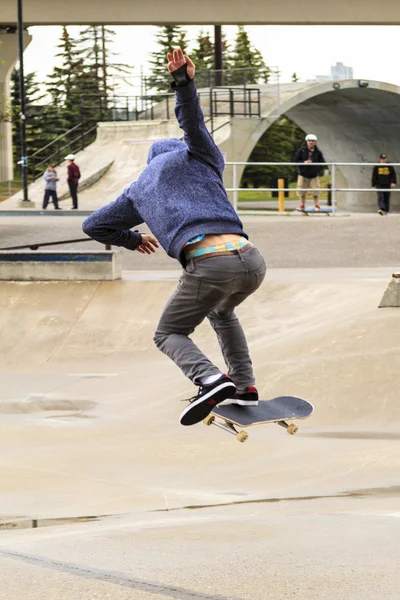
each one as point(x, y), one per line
point(9, 57)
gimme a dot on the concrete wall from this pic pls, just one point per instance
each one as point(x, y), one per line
point(59, 266)
point(224, 12)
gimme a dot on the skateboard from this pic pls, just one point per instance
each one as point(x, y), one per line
point(278, 410)
point(327, 210)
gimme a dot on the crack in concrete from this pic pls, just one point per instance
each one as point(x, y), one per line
point(114, 577)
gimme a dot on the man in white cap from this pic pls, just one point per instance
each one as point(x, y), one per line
point(308, 175)
point(73, 177)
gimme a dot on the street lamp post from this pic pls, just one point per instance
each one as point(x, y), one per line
point(22, 117)
point(218, 65)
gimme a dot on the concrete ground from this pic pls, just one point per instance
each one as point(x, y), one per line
point(104, 495)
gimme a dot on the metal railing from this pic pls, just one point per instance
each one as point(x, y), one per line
point(58, 243)
point(143, 84)
point(216, 102)
point(73, 140)
point(330, 165)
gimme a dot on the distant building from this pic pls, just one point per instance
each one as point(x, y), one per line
point(338, 71)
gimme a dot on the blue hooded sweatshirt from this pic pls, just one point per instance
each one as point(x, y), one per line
point(179, 195)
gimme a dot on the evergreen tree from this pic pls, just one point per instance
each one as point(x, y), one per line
point(5, 104)
point(203, 57)
point(41, 125)
point(168, 38)
point(100, 69)
point(244, 56)
point(295, 78)
point(278, 144)
point(64, 83)
point(91, 79)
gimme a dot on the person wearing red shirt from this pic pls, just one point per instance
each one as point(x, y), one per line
point(73, 177)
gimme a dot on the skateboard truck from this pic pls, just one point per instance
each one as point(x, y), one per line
point(242, 436)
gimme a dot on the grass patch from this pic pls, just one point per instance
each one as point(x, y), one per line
point(252, 195)
point(8, 188)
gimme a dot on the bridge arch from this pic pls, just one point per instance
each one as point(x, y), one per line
point(353, 124)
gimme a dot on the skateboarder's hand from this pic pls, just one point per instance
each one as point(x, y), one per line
point(177, 59)
point(392, 185)
point(148, 245)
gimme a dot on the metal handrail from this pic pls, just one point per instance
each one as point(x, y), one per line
point(39, 245)
point(56, 139)
point(333, 189)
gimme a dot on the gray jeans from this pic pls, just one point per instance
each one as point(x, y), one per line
point(211, 288)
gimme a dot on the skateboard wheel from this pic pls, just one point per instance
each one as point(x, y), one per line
point(209, 420)
point(242, 436)
point(292, 428)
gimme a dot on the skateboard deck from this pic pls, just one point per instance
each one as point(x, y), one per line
point(278, 410)
point(324, 209)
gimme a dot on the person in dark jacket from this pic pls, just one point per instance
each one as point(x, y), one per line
point(308, 175)
point(383, 177)
point(50, 190)
point(73, 177)
point(181, 197)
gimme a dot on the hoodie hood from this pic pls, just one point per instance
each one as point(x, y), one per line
point(163, 146)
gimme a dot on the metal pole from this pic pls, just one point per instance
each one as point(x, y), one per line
point(218, 54)
point(22, 117)
point(333, 191)
point(281, 195)
point(235, 192)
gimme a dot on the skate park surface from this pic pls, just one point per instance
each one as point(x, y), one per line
point(104, 495)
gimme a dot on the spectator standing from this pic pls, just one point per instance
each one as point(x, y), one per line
point(308, 175)
point(50, 190)
point(73, 177)
point(383, 177)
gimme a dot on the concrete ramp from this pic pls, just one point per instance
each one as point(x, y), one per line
point(391, 297)
point(92, 454)
point(326, 342)
point(110, 164)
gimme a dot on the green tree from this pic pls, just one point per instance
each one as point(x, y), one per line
point(40, 127)
point(295, 78)
point(278, 144)
point(245, 56)
point(168, 37)
point(203, 57)
point(110, 69)
point(5, 104)
point(64, 83)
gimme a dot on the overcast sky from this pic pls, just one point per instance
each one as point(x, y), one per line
point(306, 50)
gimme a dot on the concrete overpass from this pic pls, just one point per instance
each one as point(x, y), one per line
point(224, 12)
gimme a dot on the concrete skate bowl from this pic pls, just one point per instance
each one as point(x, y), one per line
point(89, 408)
point(325, 342)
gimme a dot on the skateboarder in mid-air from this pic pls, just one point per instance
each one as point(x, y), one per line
point(181, 197)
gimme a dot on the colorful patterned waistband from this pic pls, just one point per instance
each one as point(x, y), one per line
point(233, 245)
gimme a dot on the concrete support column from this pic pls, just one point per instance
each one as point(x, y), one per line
point(9, 57)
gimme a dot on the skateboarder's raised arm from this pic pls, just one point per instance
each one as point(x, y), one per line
point(189, 114)
point(112, 224)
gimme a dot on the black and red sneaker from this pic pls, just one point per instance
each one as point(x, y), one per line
point(246, 397)
point(207, 398)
